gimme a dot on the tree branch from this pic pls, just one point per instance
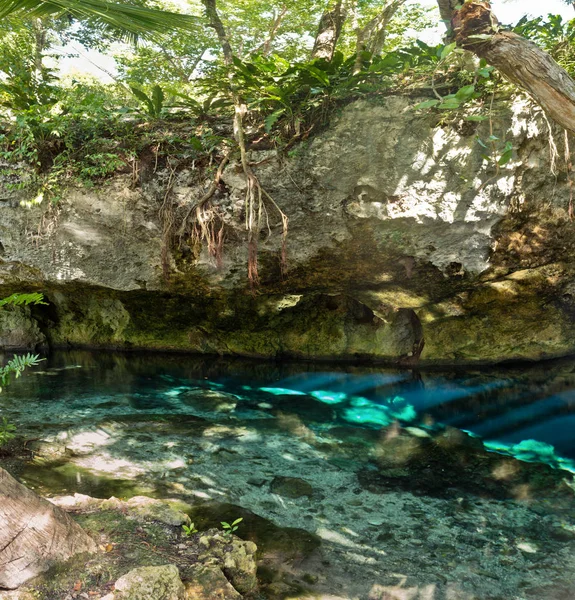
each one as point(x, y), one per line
point(521, 61)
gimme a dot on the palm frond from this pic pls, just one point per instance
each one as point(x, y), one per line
point(134, 20)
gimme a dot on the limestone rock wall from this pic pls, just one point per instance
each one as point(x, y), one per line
point(404, 245)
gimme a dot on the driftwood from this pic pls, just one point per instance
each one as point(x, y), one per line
point(34, 534)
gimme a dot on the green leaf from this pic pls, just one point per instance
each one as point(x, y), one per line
point(135, 20)
point(143, 98)
point(476, 118)
point(505, 157)
point(157, 100)
point(23, 299)
point(321, 76)
point(465, 93)
point(426, 104)
point(238, 521)
point(450, 104)
point(272, 119)
point(447, 50)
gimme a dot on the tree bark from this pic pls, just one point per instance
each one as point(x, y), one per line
point(371, 37)
point(522, 62)
point(33, 534)
point(39, 46)
point(329, 30)
point(216, 23)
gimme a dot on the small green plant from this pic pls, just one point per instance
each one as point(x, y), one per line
point(153, 105)
point(7, 431)
point(189, 530)
point(230, 528)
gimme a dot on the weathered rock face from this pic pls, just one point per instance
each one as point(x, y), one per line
point(18, 330)
point(34, 534)
point(404, 244)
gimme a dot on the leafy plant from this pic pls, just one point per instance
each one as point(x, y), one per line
point(16, 366)
point(7, 431)
point(189, 530)
point(23, 299)
point(153, 105)
point(230, 528)
point(18, 363)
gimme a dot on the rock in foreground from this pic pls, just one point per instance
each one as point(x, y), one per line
point(34, 534)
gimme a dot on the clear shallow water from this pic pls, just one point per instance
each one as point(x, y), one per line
point(316, 449)
point(503, 407)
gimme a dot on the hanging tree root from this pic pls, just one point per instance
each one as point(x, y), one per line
point(166, 215)
point(207, 196)
point(255, 204)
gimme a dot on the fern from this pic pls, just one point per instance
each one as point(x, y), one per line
point(16, 366)
point(23, 299)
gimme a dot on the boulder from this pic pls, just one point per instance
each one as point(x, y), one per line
point(235, 557)
point(34, 535)
point(150, 583)
point(207, 582)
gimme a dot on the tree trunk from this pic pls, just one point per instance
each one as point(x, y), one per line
point(329, 30)
point(33, 534)
point(216, 23)
point(371, 37)
point(39, 46)
point(522, 62)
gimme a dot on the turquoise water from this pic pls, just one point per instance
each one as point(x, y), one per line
point(404, 480)
point(529, 412)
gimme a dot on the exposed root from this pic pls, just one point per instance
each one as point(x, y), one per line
point(209, 228)
point(206, 197)
point(569, 164)
point(166, 214)
point(553, 152)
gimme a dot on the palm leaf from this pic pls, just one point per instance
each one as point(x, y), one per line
point(135, 20)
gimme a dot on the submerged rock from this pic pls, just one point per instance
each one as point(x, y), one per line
point(291, 487)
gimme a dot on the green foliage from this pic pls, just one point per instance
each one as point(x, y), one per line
point(495, 150)
point(553, 34)
point(15, 366)
point(7, 431)
point(18, 363)
point(153, 105)
point(130, 19)
point(230, 528)
point(23, 299)
point(189, 530)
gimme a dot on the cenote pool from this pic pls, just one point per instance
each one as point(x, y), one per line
point(355, 482)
